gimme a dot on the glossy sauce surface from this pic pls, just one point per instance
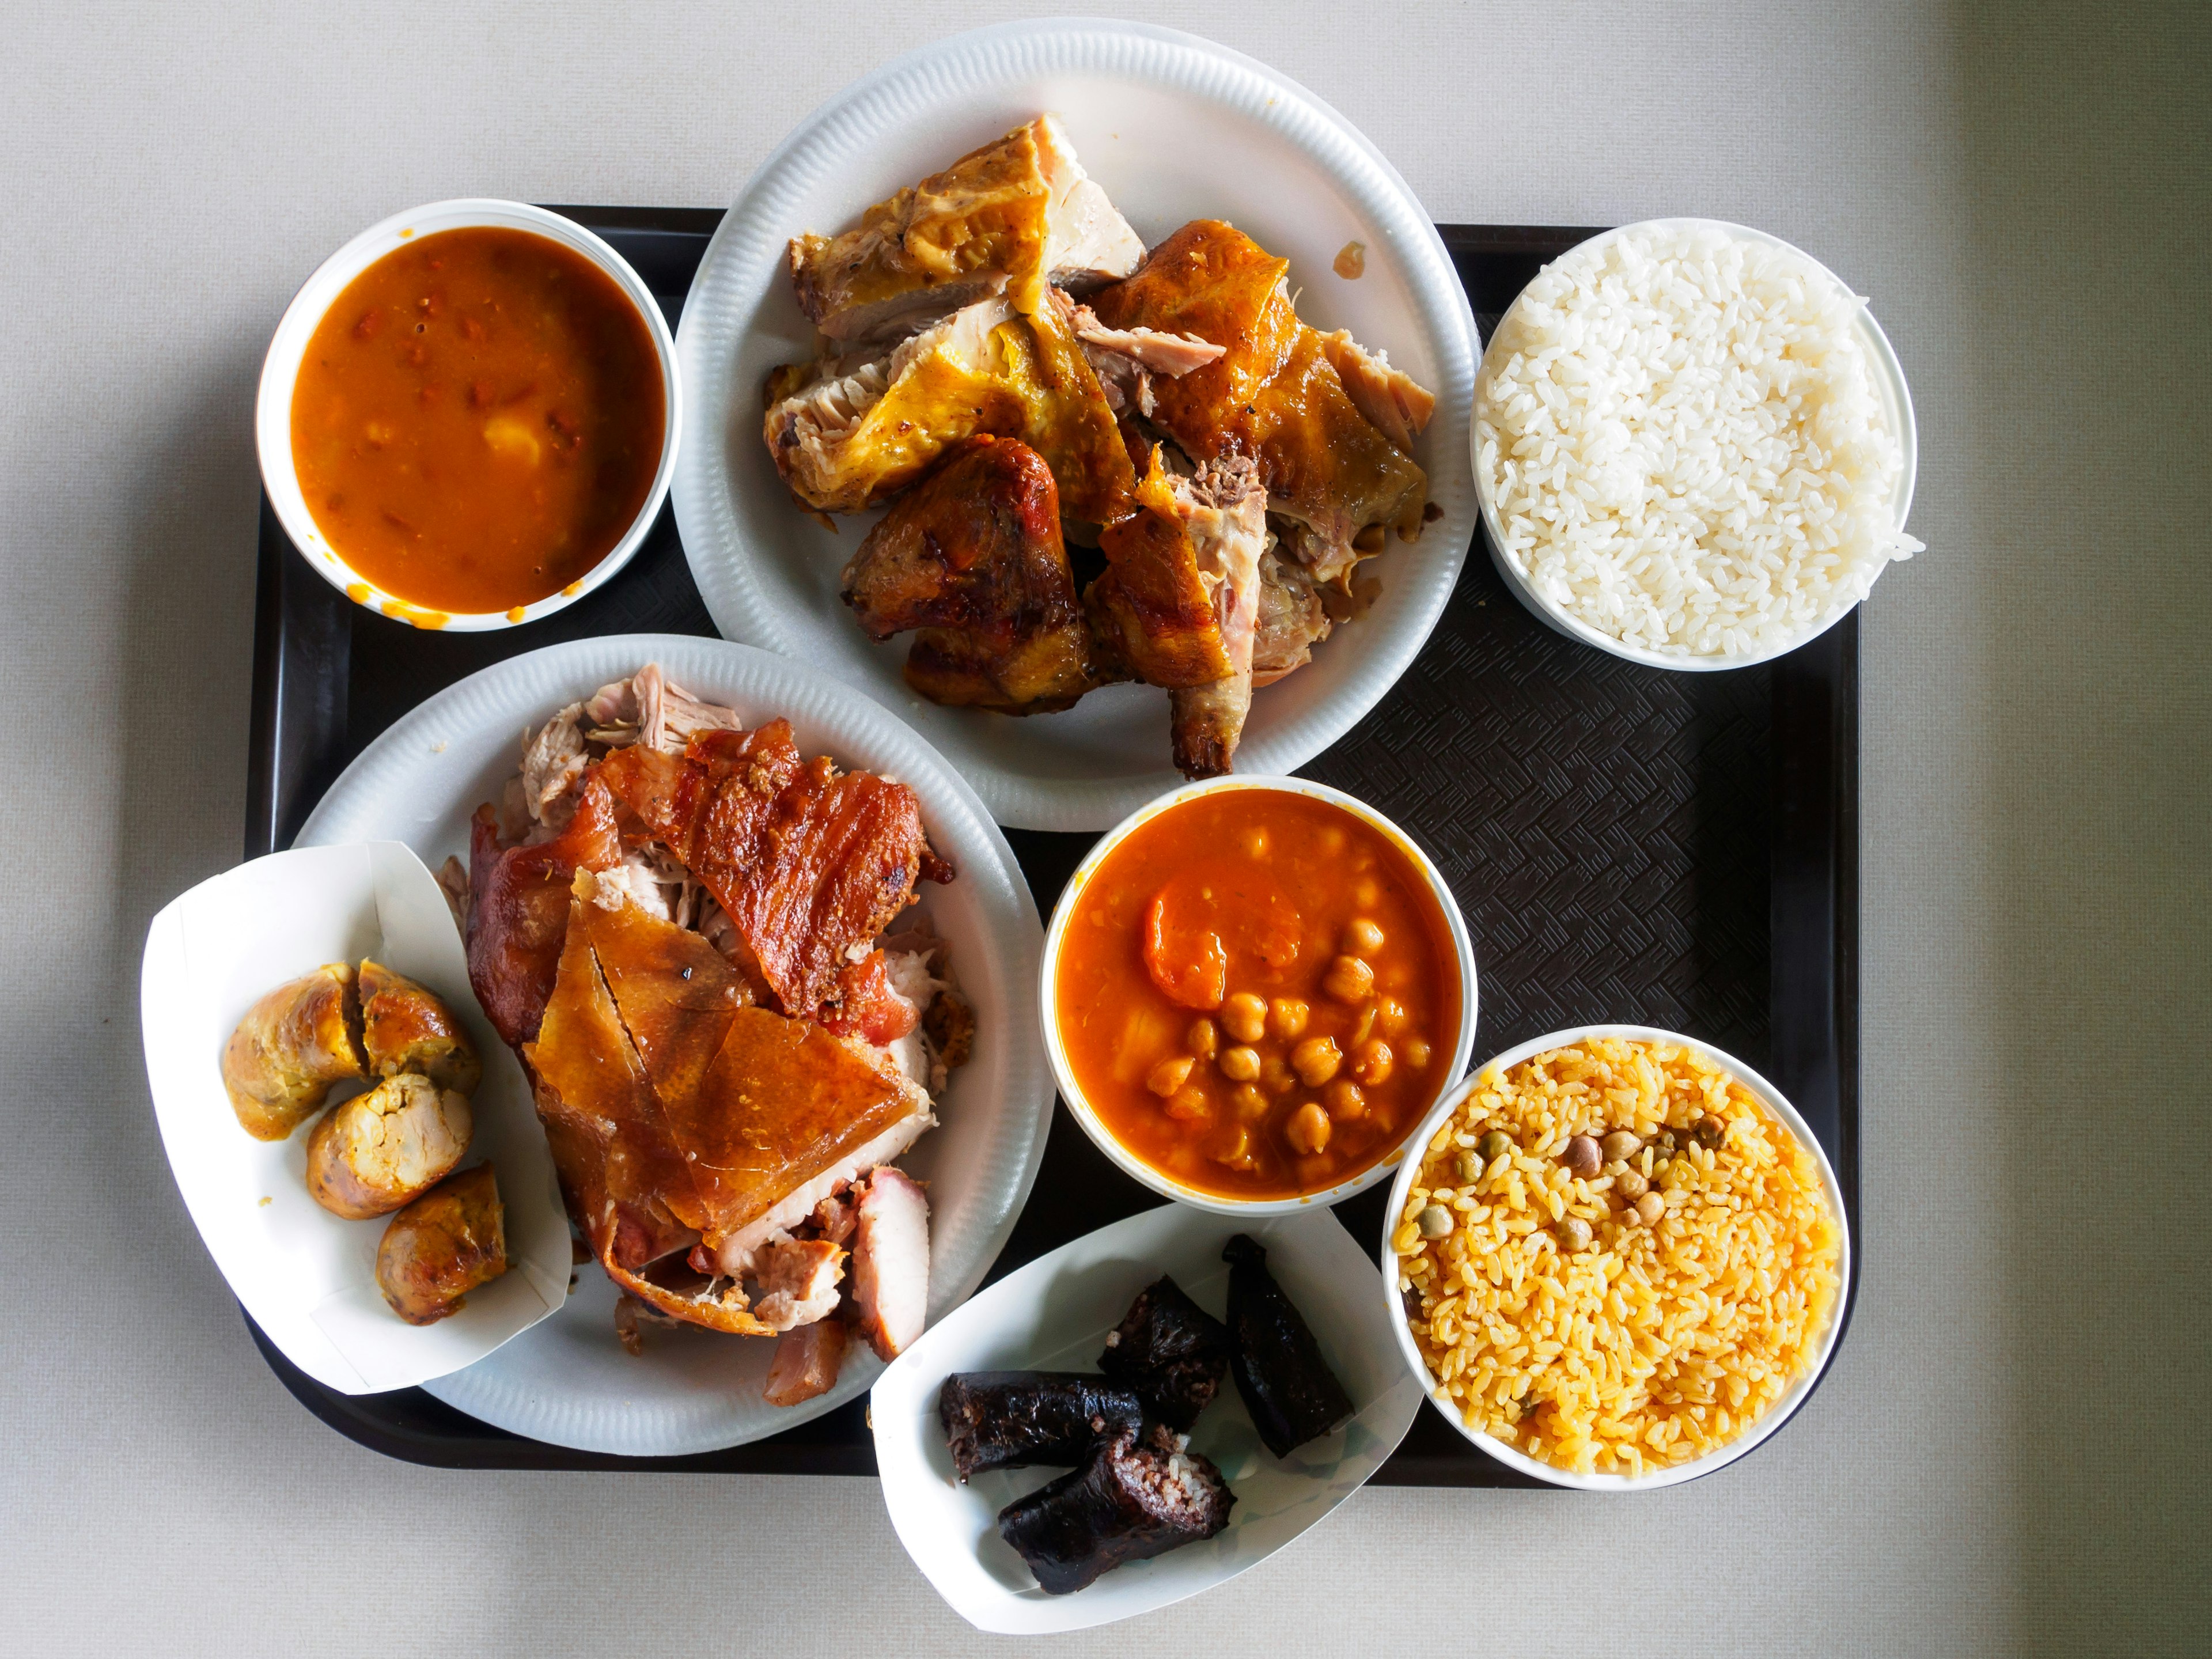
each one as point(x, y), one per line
point(477, 420)
point(1295, 958)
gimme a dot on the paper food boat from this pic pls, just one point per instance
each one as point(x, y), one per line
point(307, 1277)
point(1054, 1315)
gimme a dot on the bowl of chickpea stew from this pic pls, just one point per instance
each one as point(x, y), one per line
point(1254, 989)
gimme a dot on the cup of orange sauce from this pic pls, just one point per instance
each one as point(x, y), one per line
point(1253, 991)
point(469, 416)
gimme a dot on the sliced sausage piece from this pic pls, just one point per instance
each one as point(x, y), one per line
point(442, 1245)
point(806, 1363)
point(407, 1028)
point(890, 1261)
point(378, 1150)
point(292, 1045)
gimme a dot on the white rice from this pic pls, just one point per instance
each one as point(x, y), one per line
point(1682, 436)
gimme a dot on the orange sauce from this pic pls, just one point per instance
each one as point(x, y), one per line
point(1258, 994)
point(477, 420)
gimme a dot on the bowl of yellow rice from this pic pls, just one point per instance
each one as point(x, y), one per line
point(1616, 1258)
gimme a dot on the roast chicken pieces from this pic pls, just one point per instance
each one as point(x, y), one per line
point(1233, 466)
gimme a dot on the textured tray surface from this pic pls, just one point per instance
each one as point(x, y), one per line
point(1627, 845)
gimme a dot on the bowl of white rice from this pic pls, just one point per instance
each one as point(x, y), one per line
point(1693, 445)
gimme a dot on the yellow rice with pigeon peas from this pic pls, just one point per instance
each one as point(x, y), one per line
point(1610, 1307)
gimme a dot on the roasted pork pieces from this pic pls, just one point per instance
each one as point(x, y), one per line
point(1235, 464)
point(684, 1119)
point(1169, 1352)
point(1013, 1419)
point(973, 557)
point(726, 1050)
point(1280, 1373)
point(807, 862)
point(1133, 1500)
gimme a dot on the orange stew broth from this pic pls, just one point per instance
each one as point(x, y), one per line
point(478, 419)
point(1233, 898)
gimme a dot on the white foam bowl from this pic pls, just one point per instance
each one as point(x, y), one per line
point(1897, 410)
point(280, 373)
point(1776, 1414)
point(1071, 1091)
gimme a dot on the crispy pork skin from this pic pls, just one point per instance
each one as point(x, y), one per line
point(974, 557)
point(681, 1116)
point(807, 861)
point(890, 1262)
point(806, 1362)
point(518, 908)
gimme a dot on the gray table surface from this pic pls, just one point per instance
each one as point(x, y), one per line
point(2011, 1454)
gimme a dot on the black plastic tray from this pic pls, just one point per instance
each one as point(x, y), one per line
point(1628, 844)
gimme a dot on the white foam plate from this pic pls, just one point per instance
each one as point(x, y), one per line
point(1175, 128)
point(1054, 1315)
point(567, 1380)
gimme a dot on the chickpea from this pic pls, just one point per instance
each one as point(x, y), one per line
point(1346, 1101)
point(1232, 1146)
point(1373, 1064)
point(1575, 1233)
point(1348, 980)
point(1275, 1074)
point(1202, 1038)
point(1317, 1061)
point(1332, 841)
point(1390, 1015)
point(1621, 1146)
point(1249, 1102)
point(1244, 1015)
point(1239, 1065)
point(1435, 1222)
point(1417, 1053)
point(1361, 1026)
point(1631, 1185)
point(1253, 842)
point(1308, 1131)
point(1363, 938)
point(1287, 1017)
point(1650, 1207)
point(1170, 1075)
point(1365, 892)
point(1187, 1104)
